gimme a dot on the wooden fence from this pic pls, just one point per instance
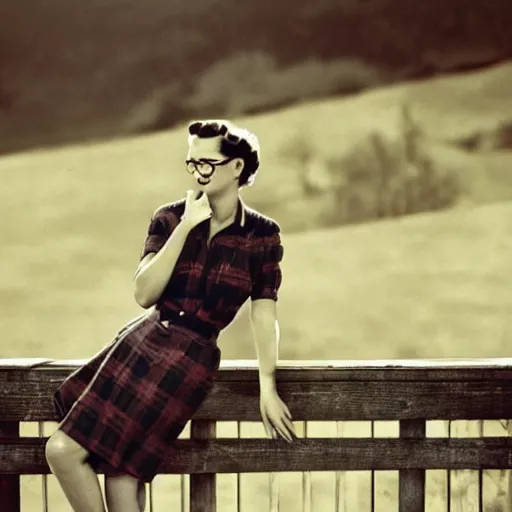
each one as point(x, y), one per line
point(411, 392)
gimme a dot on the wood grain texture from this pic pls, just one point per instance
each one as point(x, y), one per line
point(203, 486)
point(330, 394)
point(411, 482)
point(26, 455)
point(10, 491)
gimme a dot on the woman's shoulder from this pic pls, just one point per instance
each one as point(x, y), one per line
point(260, 224)
point(266, 239)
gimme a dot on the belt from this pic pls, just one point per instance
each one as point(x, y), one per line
point(204, 329)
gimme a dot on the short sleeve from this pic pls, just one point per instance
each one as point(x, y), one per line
point(267, 276)
point(160, 228)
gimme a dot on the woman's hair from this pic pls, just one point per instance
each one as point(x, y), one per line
point(236, 143)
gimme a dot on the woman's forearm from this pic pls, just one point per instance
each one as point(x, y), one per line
point(266, 336)
point(152, 278)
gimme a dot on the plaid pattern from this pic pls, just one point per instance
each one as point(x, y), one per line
point(212, 283)
point(129, 403)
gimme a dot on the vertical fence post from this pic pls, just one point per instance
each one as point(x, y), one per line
point(411, 482)
point(10, 484)
point(203, 496)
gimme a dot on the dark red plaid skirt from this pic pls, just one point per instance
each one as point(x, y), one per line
point(131, 401)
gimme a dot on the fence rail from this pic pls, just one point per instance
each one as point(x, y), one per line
point(410, 392)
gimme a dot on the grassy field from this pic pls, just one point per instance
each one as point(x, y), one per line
point(74, 219)
point(426, 285)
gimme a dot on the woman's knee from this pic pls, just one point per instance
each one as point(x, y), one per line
point(61, 449)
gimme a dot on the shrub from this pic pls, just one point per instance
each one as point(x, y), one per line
point(249, 82)
point(381, 177)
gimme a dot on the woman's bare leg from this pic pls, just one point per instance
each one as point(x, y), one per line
point(123, 493)
point(141, 496)
point(78, 480)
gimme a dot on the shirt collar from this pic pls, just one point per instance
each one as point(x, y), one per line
point(240, 216)
point(241, 213)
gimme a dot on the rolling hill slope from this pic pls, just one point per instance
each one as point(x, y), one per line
point(432, 285)
point(69, 72)
point(74, 219)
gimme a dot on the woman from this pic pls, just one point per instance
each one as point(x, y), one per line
point(203, 257)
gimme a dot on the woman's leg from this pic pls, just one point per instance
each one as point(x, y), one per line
point(124, 494)
point(78, 480)
point(141, 496)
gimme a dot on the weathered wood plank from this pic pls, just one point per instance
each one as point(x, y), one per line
point(411, 483)
point(29, 399)
point(10, 490)
point(203, 487)
point(26, 455)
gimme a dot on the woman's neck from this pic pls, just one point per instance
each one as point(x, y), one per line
point(224, 207)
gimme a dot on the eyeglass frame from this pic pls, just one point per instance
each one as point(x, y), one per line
point(206, 161)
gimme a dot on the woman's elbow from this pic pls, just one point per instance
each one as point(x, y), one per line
point(141, 297)
point(140, 288)
point(144, 304)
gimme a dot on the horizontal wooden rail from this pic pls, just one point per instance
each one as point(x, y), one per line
point(26, 455)
point(435, 390)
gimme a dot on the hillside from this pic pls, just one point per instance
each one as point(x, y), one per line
point(74, 220)
point(433, 285)
point(69, 71)
point(428, 286)
point(76, 187)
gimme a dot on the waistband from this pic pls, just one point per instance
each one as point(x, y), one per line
point(204, 329)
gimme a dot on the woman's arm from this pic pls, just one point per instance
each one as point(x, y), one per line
point(163, 246)
point(264, 295)
point(156, 268)
point(265, 327)
point(265, 330)
point(275, 414)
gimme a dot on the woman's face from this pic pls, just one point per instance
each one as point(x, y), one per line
point(204, 151)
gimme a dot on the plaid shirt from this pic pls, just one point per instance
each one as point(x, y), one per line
point(212, 283)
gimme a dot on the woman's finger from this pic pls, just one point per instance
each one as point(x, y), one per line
point(268, 426)
point(289, 425)
point(281, 428)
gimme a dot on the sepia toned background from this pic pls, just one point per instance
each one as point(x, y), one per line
point(386, 134)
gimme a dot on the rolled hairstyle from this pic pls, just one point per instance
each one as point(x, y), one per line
point(236, 142)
